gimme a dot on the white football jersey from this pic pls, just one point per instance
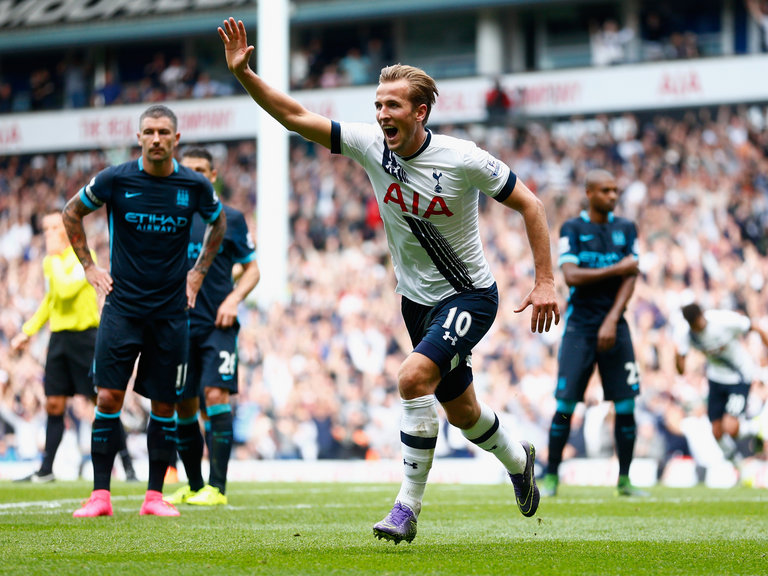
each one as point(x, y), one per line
point(429, 205)
point(728, 361)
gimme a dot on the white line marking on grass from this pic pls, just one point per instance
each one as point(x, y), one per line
point(12, 508)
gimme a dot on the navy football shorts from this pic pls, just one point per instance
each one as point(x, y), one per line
point(578, 356)
point(160, 344)
point(212, 362)
point(726, 399)
point(447, 332)
point(68, 363)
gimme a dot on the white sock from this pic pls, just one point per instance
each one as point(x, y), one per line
point(491, 436)
point(728, 446)
point(419, 426)
point(749, 426)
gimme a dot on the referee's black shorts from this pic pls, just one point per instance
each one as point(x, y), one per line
point(68, 364)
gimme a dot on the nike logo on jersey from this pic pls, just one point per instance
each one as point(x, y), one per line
point(585, 237)
point(132, 194)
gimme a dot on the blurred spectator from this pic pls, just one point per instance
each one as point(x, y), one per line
point(608, 43)
point(172, 78)
point(206, 87)
point(191, 75)
point(109, 92)
point(75, 78)
point(23, 413)
point(654, 37)
point(355, 67)
point(154, 69)
point(758, 10)
point(331, 77)
point(42, 90)
point(682, 45)
point(299, 67)
point(6, 97)
point(377, 59)
point(497, 104)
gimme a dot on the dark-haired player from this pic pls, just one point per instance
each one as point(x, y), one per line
point(213, 350)
point(150, 205)
point(599, 260)
point(731, 371)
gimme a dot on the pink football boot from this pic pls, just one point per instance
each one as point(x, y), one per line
point(99, 504)
point(154, 505)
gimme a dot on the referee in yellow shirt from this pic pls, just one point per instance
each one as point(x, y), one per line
point(71, 308)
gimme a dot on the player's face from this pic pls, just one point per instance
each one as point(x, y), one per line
point(699, 324)
point(399, 119)
point(603, 195)
point(158, 139)
point(200, 165)
point(55, 234)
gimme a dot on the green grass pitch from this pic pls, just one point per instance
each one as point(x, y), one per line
point(325, 529)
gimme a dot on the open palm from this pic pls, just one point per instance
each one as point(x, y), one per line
point(236, 48)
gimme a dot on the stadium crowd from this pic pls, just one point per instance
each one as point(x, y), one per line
point(80, 78)
point(317, 373)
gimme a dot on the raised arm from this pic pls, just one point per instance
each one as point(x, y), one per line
point(214, 234)
point(279, 105)
point(754, 9)
point(542, 297)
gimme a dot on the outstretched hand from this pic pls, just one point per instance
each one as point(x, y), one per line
point(236, 48)
point(545, 308)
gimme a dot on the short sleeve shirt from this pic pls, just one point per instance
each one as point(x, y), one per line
point(149, 224)
point(429, 205)
point(592, 245)
point(237, 247)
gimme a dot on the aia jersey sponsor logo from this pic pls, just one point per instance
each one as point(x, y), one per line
point(414, 205)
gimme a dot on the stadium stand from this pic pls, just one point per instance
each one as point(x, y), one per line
point(317, 373)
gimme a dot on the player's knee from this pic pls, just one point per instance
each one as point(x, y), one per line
point(187, 408)
point(163, 409)
point(214, 396)
point(55, 405)
point(417, 377)
point(412, 384)
point(109, 401)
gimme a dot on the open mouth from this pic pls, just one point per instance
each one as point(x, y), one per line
point(390, 131)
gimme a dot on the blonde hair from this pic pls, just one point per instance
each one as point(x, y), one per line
point(422, 88)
